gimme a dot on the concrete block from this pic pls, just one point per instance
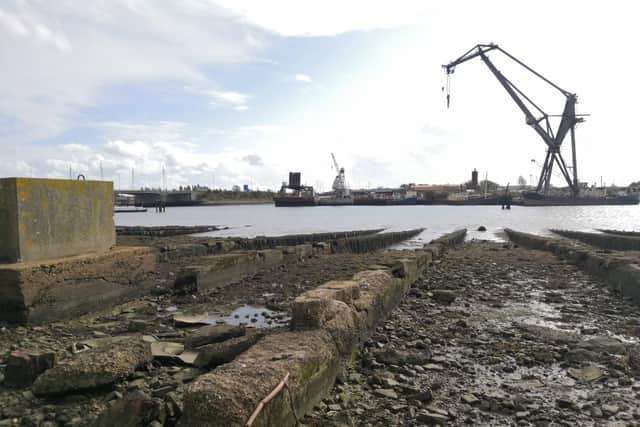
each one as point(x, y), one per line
point(304, 251)
point(24, 367)
point(271, 257)
point(215, 271)
point(52, 218)
point(38, 292)
point(228, 395)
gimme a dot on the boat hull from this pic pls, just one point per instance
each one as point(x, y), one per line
point(294, 201)
point(578, 201)
point(385, 202)
point(335, 202)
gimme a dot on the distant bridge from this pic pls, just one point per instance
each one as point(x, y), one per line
point(151, 198)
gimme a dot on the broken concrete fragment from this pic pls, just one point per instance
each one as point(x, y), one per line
point(136, 409)
point(24, 367)
point(228, 395)
point(586, 374)
point(98, 367)
point(166, 351)
point(218, 353)
point(191, 320)
point(212, 334)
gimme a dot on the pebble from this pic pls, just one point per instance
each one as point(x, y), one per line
point(385, 392)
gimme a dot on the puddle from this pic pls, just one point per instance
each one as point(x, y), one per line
point(255, 317)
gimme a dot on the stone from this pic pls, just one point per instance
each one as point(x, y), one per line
point(443, 296)
point(633, 357)
point(564, 402)
point(604, 344)
point(586, 374)
point(470, 399)
point(24, 367)
point(610, 409)
point(166, 351)
point(422, 396)
point(212, 334)
point(432, 418)
point(399, 357)
point(136, 409)
point(215, 354)
point(182, 320)
point(386, 392)
point(104, 365)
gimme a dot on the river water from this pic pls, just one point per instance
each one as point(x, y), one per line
point(255, 220)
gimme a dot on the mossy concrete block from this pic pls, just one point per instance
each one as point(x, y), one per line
point(103, 366)
point(52, 218)
point(38, 292)
point(228, 395)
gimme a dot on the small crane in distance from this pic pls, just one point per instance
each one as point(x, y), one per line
point(541, 124)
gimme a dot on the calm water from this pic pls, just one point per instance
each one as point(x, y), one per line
point(254, 220)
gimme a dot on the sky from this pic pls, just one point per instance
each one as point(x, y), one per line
point(232, 92)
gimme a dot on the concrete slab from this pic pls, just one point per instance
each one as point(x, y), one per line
point(37, 292)
point(53, 218)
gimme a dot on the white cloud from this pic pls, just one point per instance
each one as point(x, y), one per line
point(60, 57)
point(305, 78)
point(328, 17)
point(228, 97)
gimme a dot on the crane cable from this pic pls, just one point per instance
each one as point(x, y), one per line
point(448, 89)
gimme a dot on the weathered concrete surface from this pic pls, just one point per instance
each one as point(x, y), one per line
point(163, 230)
point(24, 367)
point(213, 333)
point(219, 270)
point(215, 354)
point(328, 323)
point(262, 242)
point(366, 243)
point(620, 273)
point(53, 218)
point(99, 367)
point(37, 292)
point(228, 395)
point(137, 409)
point(605, 241)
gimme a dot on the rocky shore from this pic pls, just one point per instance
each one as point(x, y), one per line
point(96, 368)
point(488, 334)
point(496, 335)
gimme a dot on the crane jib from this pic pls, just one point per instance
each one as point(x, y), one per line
point(553, 142)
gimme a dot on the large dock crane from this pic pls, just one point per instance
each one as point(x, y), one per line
point(540, 124)
point(339, 182)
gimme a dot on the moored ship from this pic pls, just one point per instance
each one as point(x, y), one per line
point(294, 193)
point(537, 199)
point(340, 196)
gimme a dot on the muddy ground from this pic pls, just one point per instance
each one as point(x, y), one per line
point(496, 335)
point(491, 335)
point(259, 301)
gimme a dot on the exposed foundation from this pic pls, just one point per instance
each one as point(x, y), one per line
point(38, 292)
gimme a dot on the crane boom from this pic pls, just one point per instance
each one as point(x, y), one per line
point(541, 123)
point(335, 163)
